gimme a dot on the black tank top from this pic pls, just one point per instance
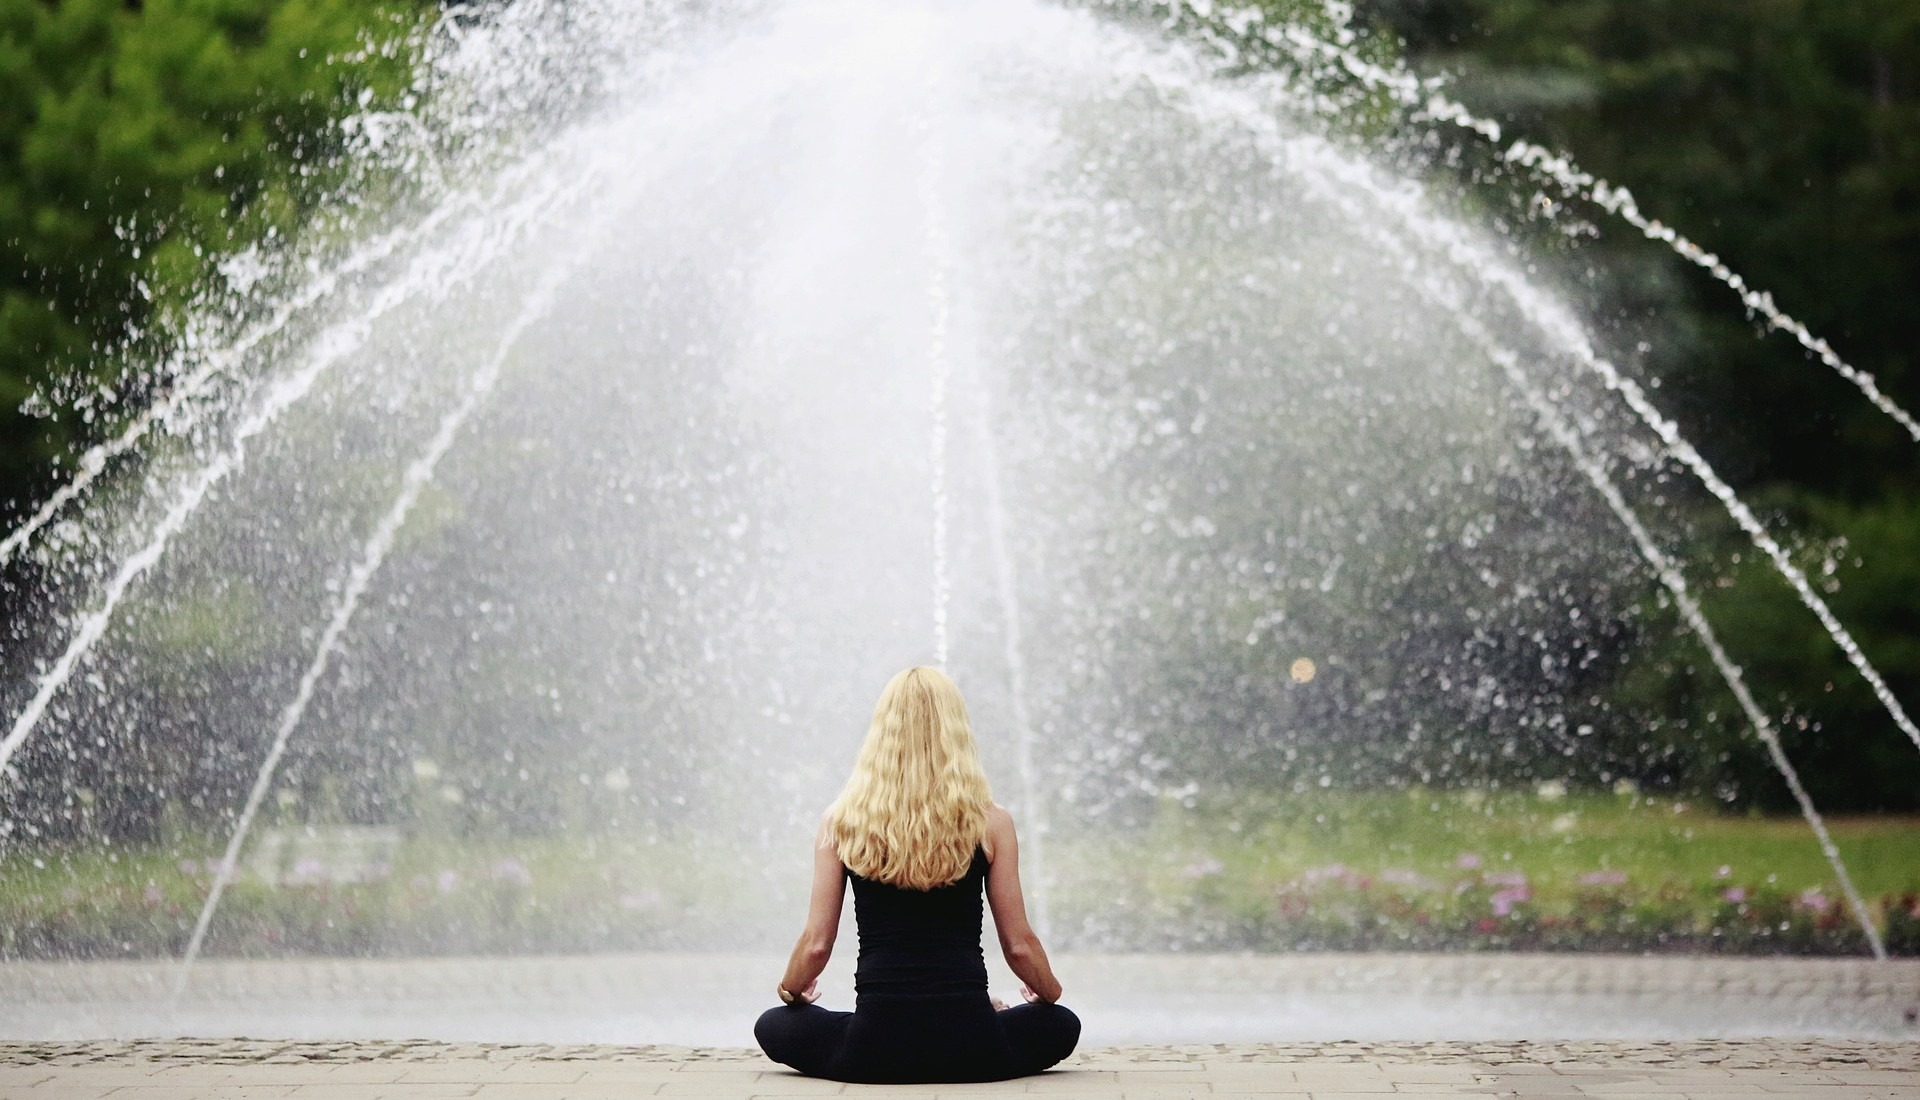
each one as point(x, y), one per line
point(920, 941)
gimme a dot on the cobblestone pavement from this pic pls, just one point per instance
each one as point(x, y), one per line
point(215, 1069)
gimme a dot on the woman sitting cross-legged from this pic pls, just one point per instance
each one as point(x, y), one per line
point(917, 833)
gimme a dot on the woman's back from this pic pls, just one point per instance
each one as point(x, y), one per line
point(921, 941)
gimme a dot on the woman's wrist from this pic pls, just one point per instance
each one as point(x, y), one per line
point(1033, 997)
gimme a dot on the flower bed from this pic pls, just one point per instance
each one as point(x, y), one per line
point(1466, 870)
point(1337, 908)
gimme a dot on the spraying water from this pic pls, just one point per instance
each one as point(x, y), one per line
point(379, 544)
point(644, 564)
point(933, 168)
point(436, 274)
point(478, 390)
point(1233, 32)
point(1553, 320)
point(1334, 182)
point(1675, 582)
point(1006, 587)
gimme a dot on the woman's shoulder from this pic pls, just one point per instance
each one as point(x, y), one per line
point(999, 830)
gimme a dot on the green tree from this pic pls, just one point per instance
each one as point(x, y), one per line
point(138, 143)
point(1783, 135)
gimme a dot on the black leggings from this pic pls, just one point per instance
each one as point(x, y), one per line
point(913, 1039)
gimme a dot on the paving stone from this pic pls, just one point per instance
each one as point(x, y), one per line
point(762, 1085)
point(204, 1092)
point(477, 1071)
point(1706, 1070)
point(570, 1091)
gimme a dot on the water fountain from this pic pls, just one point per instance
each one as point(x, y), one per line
point(717, 360)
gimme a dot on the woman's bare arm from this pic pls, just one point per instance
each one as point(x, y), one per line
point(810, 955)
point(1018, 941)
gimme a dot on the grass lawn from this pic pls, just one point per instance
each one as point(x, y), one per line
point(1421, 870)
point(1269, 838)
point(1230, 870)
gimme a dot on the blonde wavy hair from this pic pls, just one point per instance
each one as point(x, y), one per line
point(916, 804)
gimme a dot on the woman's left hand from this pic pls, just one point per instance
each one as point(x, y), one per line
point(805, 996)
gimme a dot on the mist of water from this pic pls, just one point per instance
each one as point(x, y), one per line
point(726, 359)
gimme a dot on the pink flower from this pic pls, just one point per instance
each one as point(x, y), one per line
point(1505, 900)
point(1734, 895)
point(1468, 861)
point(1813, 901)
point(1604, 878)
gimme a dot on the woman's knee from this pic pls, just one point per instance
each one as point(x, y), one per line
point(805, 1037)
point(1041, 1034)
point(1063, 1030)
point(777, 1032)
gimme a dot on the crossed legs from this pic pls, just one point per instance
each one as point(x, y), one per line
point(814, 1040)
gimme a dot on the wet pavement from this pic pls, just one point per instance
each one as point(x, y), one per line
point(711, 1000)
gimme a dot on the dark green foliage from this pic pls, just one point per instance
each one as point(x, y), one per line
point(1848, 751)
point(1784, 136)
point(1903, 924)
point(137, 143)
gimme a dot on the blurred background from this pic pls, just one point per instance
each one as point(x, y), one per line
point(468, 469)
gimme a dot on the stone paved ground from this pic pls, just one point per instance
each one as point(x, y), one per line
point(215, 1069)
